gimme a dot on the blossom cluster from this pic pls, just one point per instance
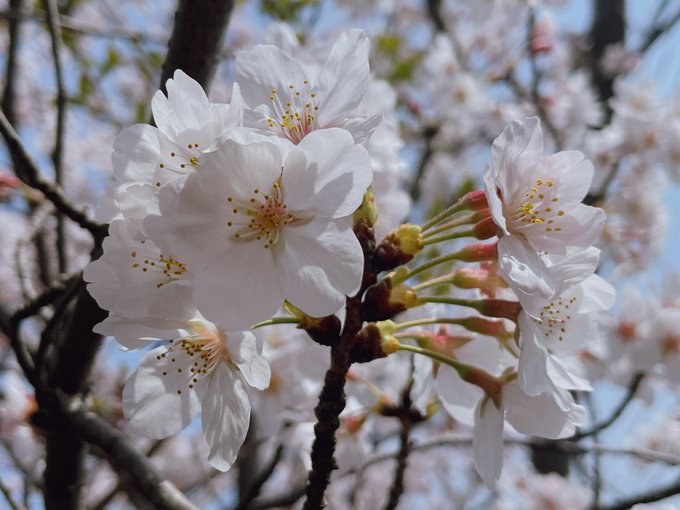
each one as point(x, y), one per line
point(224, 213)
point(220, 213)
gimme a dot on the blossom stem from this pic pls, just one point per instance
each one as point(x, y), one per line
point(448, 237)
point(465, 220)
point(473, 201)
point(491, 385)
point(489, 307)
point(475, 324)
point(472, 253)
point(276, 320)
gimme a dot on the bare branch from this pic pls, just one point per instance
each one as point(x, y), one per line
point(54, 29)
point(628, 397)
point(254, 488)
point(658, 31)
point(28, 172)
point(122, 455)
point(647, 497)
point(14, 505)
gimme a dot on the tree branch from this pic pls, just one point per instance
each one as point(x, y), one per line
point(628, 397)
point(332, 397)
point(54, 29)
point(28, 172)
point(196, 39)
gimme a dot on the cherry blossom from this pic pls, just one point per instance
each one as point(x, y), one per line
point(284, 100)
point(262, 227)
point(201, 369)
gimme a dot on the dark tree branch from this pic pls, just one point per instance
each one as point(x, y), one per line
point(434, 12)
point(47, 298)
point(397, 488)
point(8, 96)
point(647, 497)
point(256, 485)
point(122, 455)
point(196, 39)
point(658, 31)
point(54, 29)
point(608, 28)
point(429, 134)
point(332, 397)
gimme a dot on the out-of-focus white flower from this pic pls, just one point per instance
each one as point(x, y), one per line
point(284, 100)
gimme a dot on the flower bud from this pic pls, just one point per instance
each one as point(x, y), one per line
point(398, 247)
point(475, 200)
point(323, 330)
point(367, 209)
point(485, 229)
point(367, 345)
point(382, 301)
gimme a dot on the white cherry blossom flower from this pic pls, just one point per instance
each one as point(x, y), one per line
point(146, 158)
point(259, 228)
point(201, 369)
point(562, 327)
point(284, 100)
point(538, 198)
point(134, 278)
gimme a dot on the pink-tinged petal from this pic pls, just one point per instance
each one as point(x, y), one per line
point(136, 334)
point(516, 150)
point(553, 422)
point(487, 442)
point(137, 153)
point(361, 128)
point(225, 415)
point(239, 287)
point(564, 377)
point(343, 79)
point(495, 203)
point(532, 371)
point(263, 69)
point(245, 352)
point(458, 397)
point(580, 227)
point(319, 264)
point(191, 218)
point(151, 400)
point(185, 108)
point(598, 294)
point(326, 174)
point(526, 273)
point(570, 172)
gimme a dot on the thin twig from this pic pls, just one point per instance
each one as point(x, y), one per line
point(122, 455)
point(657, 32)
point(46, 298)
point(628, 397)
point(14, 505)
point(648, 497)
point(254, 488)
point(29, 173)
point(52, 17)
point(397, 488)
